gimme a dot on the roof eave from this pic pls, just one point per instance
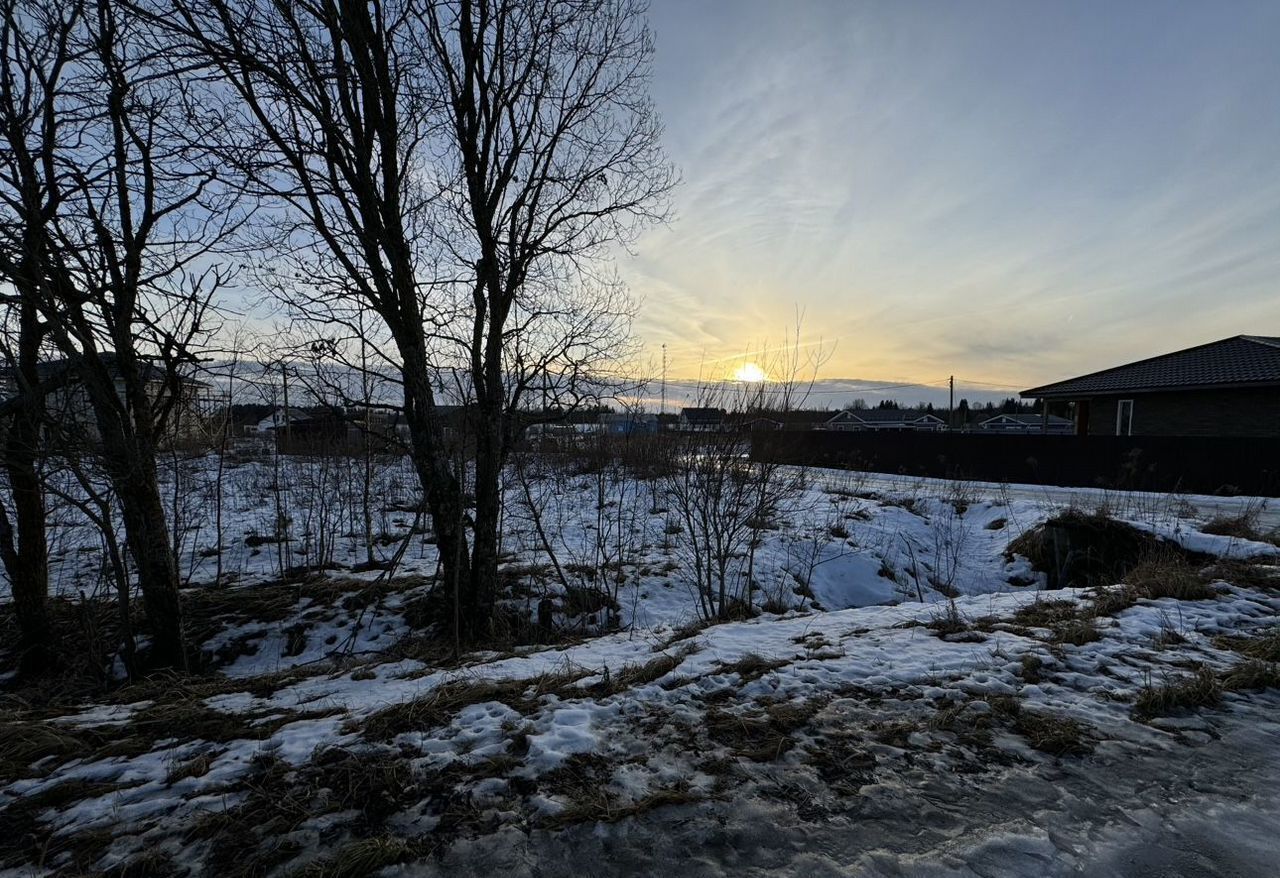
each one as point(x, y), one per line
point(1047, 392)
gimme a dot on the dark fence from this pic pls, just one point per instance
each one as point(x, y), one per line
point(1200, 465)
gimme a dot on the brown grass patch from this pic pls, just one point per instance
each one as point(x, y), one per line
point(1201, 689)
point(1243, 526)
point(1045, 613)
point(439, 706)
point(632, 676)
point(363, 857)
point(1078, 631)
point(1260, 574)
point(761, 734)
point(1167, 575)
point(1252, 675)
point(1053, 733)
point(1263, 647)
point(752, 666)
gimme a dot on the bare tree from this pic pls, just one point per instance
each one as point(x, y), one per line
point(117, 216)
point(24, 548)
point(458, 169)
point(721, 501)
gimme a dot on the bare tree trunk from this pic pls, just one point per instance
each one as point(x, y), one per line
point(484, 548)
point(132, 469)
point(25, 549)
point(441, 486)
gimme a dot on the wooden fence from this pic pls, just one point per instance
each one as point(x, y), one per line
point(1201, 465)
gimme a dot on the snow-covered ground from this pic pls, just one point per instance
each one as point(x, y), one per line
point(873, 727)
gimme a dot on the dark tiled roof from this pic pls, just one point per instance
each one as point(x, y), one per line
point(1238, 361)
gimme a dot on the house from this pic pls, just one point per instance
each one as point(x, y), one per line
point(1224, 388)
point(68, 406)
point(1025, 423)
point(797, 419)
point(629, 423)
point(885, 419)
point(701, 420)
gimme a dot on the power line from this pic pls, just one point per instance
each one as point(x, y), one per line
point(990, 384)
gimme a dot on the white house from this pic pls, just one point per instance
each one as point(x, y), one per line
point(885, 419)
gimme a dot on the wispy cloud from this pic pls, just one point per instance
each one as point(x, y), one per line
point(1006, 191)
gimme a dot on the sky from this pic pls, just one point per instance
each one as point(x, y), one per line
point(1011, 193)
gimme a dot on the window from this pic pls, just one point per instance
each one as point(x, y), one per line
point(1124, 417)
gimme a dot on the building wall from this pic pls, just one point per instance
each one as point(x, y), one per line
point(1248, 413)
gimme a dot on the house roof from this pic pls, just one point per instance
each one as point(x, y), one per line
point(48, 369)
point(885, 416)
point(1239, 361)
point(1029, 420)
point(794, 416)
point(703, 415)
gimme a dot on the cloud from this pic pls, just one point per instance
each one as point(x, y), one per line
point(1006, 191)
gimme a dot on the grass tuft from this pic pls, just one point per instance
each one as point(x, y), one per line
point(1053, 733)
point(1252, 675)
point(1201, 689)
point(1166, 575)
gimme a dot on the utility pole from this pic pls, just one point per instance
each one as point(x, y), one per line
point(951, 404)
point(284, 380)
point(664, 378)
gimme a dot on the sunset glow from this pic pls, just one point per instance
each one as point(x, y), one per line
point(750, 373)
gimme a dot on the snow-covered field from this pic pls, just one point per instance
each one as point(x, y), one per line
point(867, 726)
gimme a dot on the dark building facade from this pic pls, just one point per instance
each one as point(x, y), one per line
point(1225, 388)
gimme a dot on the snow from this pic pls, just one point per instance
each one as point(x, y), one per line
point(860, 569)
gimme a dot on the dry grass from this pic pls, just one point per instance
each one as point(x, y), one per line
point(1069, 622)
point(752, 666)
point(1252, 675)
point(1077, 632)
point(1085, 548)
point(1264, 647)
point(25, 840)
point(196, 767)
point(1053, 733)
point(1031, 668)
point(1201, 689)
point(1243, 527)
point(842, 763)
point(363, 857)
point(24, 742)
point(1260, 574)
point(632, 676)
point(1109, 600)
point(683, 632)
point(439, 706)
point(1168, 575)
point(583, 782)
point(950, 624)
point(1044, 613)
point(760, 734)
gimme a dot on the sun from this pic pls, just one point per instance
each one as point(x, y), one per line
point(750, 373)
